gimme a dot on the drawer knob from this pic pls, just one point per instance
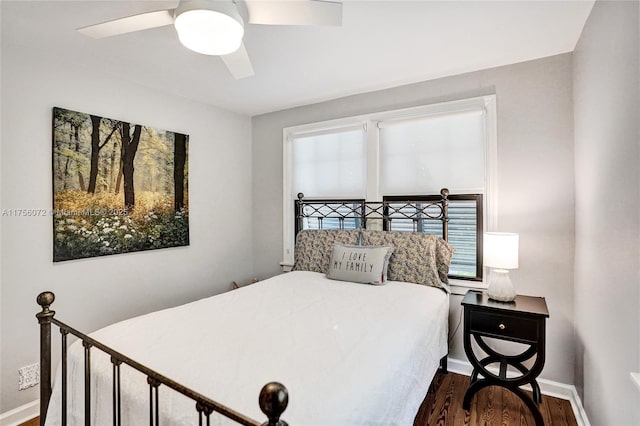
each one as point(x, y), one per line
point(502, 326)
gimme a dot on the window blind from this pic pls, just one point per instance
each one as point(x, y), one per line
point(330, 164)
point(422, 155)
point(464, 228)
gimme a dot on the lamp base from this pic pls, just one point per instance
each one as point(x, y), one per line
point(500, 287)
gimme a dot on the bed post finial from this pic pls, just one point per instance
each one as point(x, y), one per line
point(445, 213)
point(299, 214)
point(273, 400)
point(45, 299)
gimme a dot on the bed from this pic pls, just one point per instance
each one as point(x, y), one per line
point(349, 352)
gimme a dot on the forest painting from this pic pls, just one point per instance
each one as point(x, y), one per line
point(118, 187)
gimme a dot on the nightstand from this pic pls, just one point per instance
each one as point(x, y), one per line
point(522, 321)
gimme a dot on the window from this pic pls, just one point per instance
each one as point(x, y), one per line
point(465, 231)
point(412, 152)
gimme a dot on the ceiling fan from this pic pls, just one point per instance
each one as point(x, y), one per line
point(216, 27)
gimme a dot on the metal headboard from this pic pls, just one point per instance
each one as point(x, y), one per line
point(358, 213)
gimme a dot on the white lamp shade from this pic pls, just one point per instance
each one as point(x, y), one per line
point(210, 28)
point(500, 250)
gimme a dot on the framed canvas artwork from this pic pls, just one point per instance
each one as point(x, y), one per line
point(118, 187)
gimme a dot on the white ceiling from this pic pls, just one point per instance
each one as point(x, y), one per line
point(381, 44)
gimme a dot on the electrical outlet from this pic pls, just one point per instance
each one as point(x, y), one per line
point(28, 376)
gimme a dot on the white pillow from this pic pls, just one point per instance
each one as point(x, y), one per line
point(360, 264)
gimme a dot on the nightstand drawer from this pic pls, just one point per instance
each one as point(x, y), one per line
point(511, 327)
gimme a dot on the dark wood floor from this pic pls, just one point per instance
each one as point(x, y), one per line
point(33, 422)
point(491, 406)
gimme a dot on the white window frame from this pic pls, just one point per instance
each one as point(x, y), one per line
point(369, 122)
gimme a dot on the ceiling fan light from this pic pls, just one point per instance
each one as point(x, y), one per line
point(209, 32)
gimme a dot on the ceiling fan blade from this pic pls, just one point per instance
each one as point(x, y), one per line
point(239, 63)
point(299, 12)
point(129, 24)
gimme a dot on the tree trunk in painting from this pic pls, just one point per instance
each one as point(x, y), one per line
point(179, 159)
point(66, 173)
point(65, 179)
point(95, 152)
point(119, 178)
point(76, 136)
point(120, 165)
point(96, 147)
point(112, 167)
point(129, 149)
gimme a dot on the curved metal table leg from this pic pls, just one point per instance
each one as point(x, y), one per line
point(537, 395)
point(531, 404)
point(474, 376)
point(473, 389)
point(511, 383)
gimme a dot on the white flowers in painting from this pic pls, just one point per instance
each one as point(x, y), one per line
point(151, 215)
point(101, 235)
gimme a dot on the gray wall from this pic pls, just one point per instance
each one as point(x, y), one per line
point(535, 179)
point(95, 292)
point(607, 268)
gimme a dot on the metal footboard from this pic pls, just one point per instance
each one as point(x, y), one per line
point(273, 397)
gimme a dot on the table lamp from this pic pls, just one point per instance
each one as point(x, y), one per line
point(500, 254)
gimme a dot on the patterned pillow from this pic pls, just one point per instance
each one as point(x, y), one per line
point(313, 248)
point(359, 264)
point(415, 256)
point(444, 253)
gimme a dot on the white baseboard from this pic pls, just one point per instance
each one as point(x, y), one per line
point(547, 387)
point(21, 414)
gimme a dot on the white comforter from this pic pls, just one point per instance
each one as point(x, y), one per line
point(349, 354)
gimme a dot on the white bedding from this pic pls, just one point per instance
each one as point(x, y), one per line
point(349, 354)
